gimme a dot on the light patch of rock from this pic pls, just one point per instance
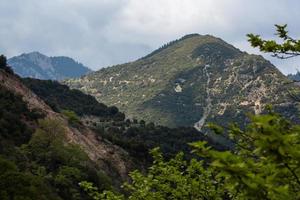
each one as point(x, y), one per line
point(152, 80)
point(244, 103)
point(257, 107)
point(178, 88)
point(223, 108)
point(124, 81)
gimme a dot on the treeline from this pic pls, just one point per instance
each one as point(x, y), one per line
point(61, 97)
point(294, 77)
point(139, 137)
point(169, 44)
point(4, 66)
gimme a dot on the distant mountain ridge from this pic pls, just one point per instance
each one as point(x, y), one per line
point(192, 81)
point(294, 77)
point(37, 65)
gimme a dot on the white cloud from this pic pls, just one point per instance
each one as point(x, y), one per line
point(106, 32)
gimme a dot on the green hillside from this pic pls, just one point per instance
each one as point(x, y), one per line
point(189, 82)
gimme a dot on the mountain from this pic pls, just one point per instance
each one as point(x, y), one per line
point(37, 65)
point(192, 81)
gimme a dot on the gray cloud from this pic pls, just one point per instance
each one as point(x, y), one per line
point(106, 32)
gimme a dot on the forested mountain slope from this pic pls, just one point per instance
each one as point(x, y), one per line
point(43, 155)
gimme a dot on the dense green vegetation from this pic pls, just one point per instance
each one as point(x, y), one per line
point(73, 119)
point(46, 168)
point(63, 166)
point(13, 114)
point(13, 109)
point(16, 184)
point(264, 165)
point(3, 64)
point(60, 97)
point(138, 138)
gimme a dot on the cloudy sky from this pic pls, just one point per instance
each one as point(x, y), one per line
point(99, 33)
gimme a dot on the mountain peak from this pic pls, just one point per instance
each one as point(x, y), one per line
point(33, 55)
point(194, 44)
point(197, 35)
point(190, 36)
point(38, 65)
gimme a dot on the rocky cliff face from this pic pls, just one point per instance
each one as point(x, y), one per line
point(190, 82)
point(111, 158)
point(37, 65)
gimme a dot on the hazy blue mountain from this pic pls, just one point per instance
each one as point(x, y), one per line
point(294, 77)
point(37, 65)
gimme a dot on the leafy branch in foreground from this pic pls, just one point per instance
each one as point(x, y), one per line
point(290, 47)
point(173, 179)
point(264, 165)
